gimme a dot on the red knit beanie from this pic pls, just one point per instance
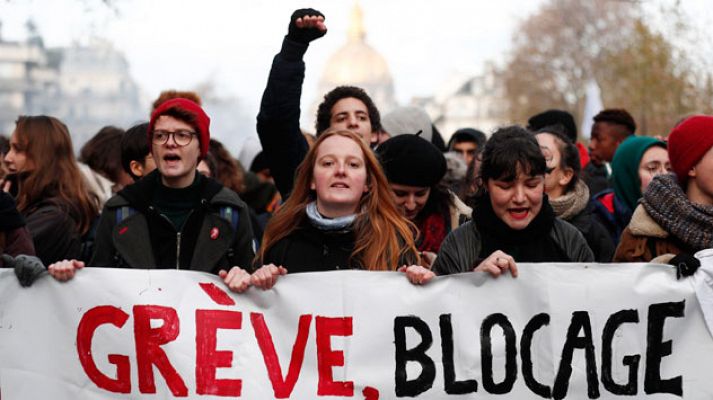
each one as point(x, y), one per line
point(688, 143)
point(200, 122)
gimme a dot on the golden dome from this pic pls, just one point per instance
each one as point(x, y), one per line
point(358, 64)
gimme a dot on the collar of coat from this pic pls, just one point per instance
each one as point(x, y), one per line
point(643, 225)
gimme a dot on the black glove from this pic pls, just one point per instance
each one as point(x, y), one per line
point(27, 268)
point(685, 265)
point(304, 35)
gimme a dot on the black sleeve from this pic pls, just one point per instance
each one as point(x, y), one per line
point(54, 234)
point(459, 251)
point(104, 250)
point(600, 242)
point(278, 122)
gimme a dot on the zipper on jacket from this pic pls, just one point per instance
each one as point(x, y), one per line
point(178, 233)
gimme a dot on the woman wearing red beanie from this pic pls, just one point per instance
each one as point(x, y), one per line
point(675, 216)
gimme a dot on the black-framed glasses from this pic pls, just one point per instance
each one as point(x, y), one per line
point(180, 137)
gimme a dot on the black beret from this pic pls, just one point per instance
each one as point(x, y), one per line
point(411, 160)
point(553, 118)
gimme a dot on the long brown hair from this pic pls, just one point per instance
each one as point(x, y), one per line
point(382, 234)
point(46, 142)
point(228, 170)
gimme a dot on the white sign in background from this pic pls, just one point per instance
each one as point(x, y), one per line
point(364, 335)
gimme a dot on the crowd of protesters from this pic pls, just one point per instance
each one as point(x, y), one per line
point(365, 193)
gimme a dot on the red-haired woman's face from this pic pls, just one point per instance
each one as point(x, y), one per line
point(339, 177)
point(16, 158)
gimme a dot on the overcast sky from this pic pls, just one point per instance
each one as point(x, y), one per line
point(181, 43)
point(177, 43)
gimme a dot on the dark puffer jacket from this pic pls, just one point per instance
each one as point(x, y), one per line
point(133, 234)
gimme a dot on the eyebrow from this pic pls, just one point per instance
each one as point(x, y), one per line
point(355, 112)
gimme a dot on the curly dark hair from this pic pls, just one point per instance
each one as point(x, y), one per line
point(324, 111)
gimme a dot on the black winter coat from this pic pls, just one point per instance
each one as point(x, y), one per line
point(545, 239)
point(54, 231)
point(147, 239)
point(309, 249)
point(595, 233)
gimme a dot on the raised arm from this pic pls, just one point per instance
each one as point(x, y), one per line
point(278, 122)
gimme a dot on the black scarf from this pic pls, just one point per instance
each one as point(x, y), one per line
point(532, 244)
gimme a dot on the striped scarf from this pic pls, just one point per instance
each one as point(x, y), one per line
point(666, 202)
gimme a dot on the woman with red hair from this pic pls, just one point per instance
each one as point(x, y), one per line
point(340, 215)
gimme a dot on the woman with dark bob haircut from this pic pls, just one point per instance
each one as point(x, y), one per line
point(512, 219)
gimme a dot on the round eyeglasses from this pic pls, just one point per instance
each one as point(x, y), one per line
point(181, 138)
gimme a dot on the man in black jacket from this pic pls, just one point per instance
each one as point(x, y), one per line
point(278, 123)
point(174, 218)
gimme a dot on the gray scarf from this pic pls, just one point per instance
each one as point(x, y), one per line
point(327, 224)
point(668, 205)
point(572, 203)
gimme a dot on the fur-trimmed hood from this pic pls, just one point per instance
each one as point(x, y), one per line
point(643, 225)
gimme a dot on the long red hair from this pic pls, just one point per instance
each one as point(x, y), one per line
point(46, 142)
point(382, 234)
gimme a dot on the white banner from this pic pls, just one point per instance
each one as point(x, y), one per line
point(570, 331)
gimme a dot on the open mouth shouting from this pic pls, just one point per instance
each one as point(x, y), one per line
point(518, 213)
point(171, 159)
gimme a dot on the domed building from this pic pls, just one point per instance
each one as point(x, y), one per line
point(358, 64)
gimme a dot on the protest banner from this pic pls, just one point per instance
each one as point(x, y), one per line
point(558, 331)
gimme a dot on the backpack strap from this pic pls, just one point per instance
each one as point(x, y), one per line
point(123, 213)
point(231, 215)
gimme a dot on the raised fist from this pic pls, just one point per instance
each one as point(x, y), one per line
point(306, 25)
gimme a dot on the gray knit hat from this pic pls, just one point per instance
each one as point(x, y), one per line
point(408, 120)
